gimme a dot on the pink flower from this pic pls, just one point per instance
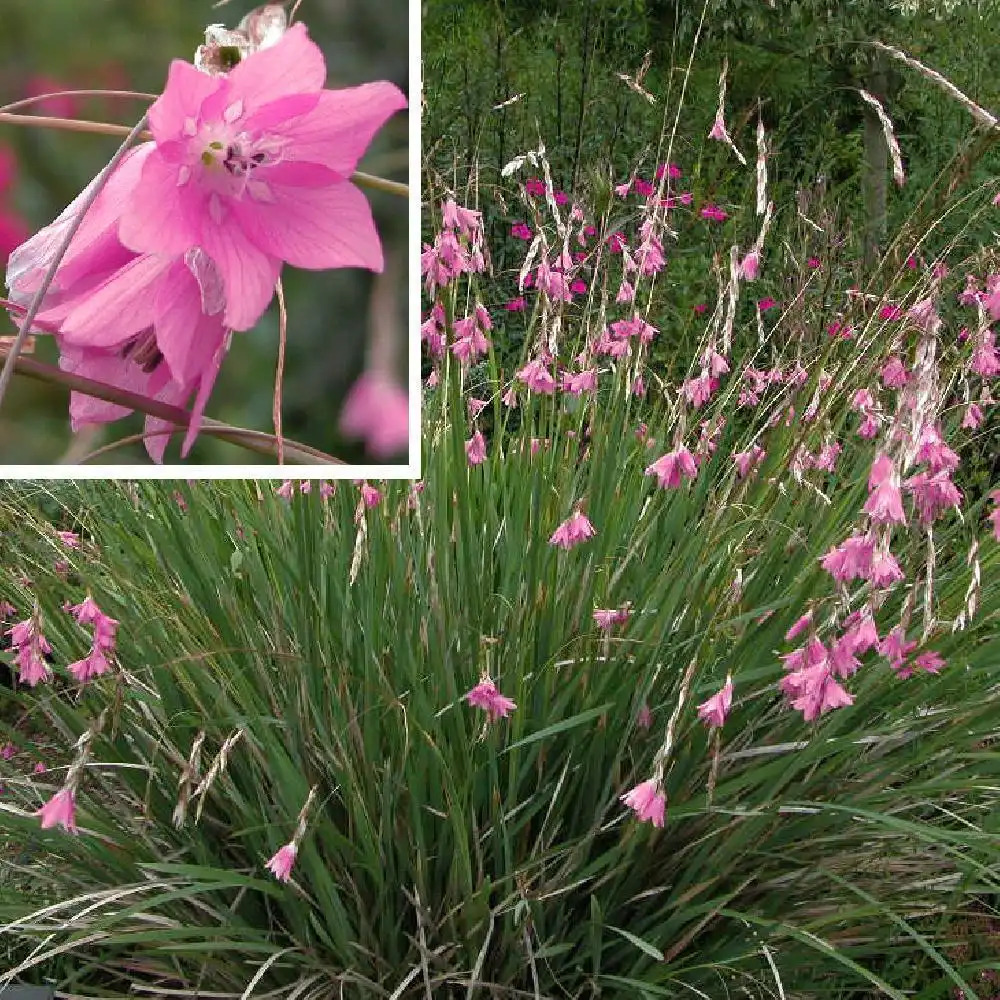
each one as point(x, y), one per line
point(39, 768)
point(281, 864)
point(486, 696)
point(885, 502)
point(521, 231)
point(934, 451)
point(516, 305)
point(884, 570)
point(93, 665)
point(985, 359)
point(644, 717)
point(647, 801)
point(577, 383)
point(973, 417)
point(799, 626)
point(746, 460)
point(933, 493)
point(31, 649)
point(167, 340)
point(607, 618)
point(714, 213)
point(60, 810)
point(813, 263)
point(377, 411)
point(929, 661)
point(851, 559)
point(251, 167)
point(537, 377)
point(750, 266)
point(894, 374)
point(475, 449)
point(766, 303)
point(714, 711)
point(671, 468)
point(574, 530)
point(819, 692)
point(718, 130)
point(69, 538)
point(895, 648)
point(370, 495)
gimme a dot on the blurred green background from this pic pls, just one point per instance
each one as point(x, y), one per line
point(120, 44)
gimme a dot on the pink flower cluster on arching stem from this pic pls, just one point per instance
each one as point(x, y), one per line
point(247, 171)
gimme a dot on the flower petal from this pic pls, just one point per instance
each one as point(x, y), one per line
point(342, 126)
point(119, 307)
point(209, 374)
point(109, 367)
point(181, 100)
point(294, 65)
point(315, 228)
point(161, 215)
point(248, 272)
point(179, 324)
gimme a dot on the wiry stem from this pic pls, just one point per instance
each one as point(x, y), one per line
point(364, 180)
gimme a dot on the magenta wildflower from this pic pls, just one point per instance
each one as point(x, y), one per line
point(370, 495)
point(671, 469)
point(607, 618)
point(994, 515)
point(69, 538)
point(574, 530)
point(281, 863)
point(714, 213)
point(894, 374)
point(60, 810)
point(985, 359)
point(851, 559)
point(973, 417)
point(475, 449)
point(252, 168)
point(766, 303)
point(713, 712)
point(31, 649)
point(885, 502)
point(93, 665)
point(486, 696)
point(749, 267)
point(647, 801)
point(536, 376)
point(799, 626)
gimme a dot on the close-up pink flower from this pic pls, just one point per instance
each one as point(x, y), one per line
point(647, 801)
point(280, 865)
point(60, 810)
